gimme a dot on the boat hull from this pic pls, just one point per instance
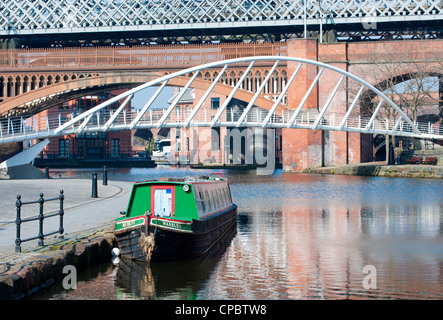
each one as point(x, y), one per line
point(173, 244)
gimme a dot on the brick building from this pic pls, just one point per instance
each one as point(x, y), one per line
point(219, 145)
point(89, 145)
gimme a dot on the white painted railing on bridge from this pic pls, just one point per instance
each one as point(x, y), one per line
point(325, 117)
point(37, 127)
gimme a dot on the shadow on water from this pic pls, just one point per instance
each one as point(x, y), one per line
point(180, 279)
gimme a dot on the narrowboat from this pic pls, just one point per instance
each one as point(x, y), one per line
point(169, 219)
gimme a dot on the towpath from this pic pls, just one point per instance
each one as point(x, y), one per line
point(82, 212)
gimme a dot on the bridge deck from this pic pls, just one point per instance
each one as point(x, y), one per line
point(20, 129)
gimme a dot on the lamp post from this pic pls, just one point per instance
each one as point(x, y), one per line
point(304, 19)
point(321, 22)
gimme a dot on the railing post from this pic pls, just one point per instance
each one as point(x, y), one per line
point(18, 222)
point(61, 212)
point(94, 185)
point(41, 201)
point(105, 176)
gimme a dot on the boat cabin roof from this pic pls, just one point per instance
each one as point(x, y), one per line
point(187, 180)
point(207, 196)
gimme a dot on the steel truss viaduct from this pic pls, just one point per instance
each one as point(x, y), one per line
point(79, 22)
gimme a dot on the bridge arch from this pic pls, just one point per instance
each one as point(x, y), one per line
point(320, 118)
point(46, 91)
point(177, 77)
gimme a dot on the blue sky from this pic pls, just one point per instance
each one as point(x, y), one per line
point(142, 97)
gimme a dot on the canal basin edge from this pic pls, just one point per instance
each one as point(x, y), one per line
point(382, 170)
point(23, 274)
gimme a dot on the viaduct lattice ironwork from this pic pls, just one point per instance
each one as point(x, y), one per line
point(75, 22)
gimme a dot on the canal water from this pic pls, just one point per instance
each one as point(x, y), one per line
point(298, 236)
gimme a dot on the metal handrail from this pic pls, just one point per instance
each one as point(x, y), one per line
point(40, 218)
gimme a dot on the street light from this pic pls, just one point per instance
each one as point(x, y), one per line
point(304, 19)
point(321, 22)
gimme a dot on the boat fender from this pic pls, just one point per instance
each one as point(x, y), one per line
point(115, 252)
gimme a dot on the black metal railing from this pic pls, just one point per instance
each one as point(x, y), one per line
point(41, 217)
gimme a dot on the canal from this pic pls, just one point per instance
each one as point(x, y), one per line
point(298, 236)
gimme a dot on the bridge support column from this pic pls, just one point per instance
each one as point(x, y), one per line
point(302, 148)
point(335, 143)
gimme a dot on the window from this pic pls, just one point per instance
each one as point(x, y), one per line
point(202, 201)
point(208, 201)
point(215, 139)
point(215, 103)
point(79, 106)
point(177, 138)
point(64, 148)
point(115, 148)
point(163, 202)
point(64, 106)
point(217, 198)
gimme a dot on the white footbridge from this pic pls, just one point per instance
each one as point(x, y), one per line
point(384, 118)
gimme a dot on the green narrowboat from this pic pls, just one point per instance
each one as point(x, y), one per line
point(170, 219)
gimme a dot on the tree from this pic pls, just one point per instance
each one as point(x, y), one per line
point(410, 75)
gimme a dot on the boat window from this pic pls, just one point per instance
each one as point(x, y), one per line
point(224, 196)
point(216, 198)
point(202, 201)
point(228, 201)
point(213, 205)
point(211, 200)
point(207, 201)
point(198, 200)
point(219, 199)
point(163, 202)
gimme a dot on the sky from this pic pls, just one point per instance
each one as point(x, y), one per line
point(141, 98)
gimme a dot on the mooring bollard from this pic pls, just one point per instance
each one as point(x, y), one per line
point(94, 185)
point(18, 222)
point(41, 201)
point(105, 176)
point(61, 212)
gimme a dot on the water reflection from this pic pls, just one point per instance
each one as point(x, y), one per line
point(308, 237)
point(169, 280)
point(314, 240)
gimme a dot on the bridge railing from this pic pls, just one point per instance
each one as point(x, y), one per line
point(134, 57)
point(19, 128)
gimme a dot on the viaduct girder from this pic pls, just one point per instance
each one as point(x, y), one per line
point(163, 20)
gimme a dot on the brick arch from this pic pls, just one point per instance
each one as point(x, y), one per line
point(43, 96)
point(252, 82)
point(13, 84)
point(368, 97)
